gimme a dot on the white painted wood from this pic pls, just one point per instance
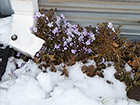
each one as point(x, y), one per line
point(25, 6)
point(26, 43)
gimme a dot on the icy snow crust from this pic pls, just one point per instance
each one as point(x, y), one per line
point(30, 86)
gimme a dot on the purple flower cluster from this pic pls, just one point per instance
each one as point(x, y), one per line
point(55, 30)
point(37, 55)
point(56, 46)
point(73, 51)
point(102, 61)
point(38, 15)
point(110, 25)
point(88, 42)
point(50, 24)
point(62, 36)
point(35, 29)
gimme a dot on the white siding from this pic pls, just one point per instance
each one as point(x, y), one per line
point(85, 12)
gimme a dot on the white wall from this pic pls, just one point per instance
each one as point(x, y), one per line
point(25, 6)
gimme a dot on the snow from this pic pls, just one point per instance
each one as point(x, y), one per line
point(127, 67)
point(46, 82)
point(33, 87)
point(5, 30)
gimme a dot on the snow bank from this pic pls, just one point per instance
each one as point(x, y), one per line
point(30, 86)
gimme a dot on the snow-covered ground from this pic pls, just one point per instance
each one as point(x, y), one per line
point(28, 85)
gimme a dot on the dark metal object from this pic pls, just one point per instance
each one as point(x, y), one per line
point(5, 8)
point(4, 54)
point(1, 45)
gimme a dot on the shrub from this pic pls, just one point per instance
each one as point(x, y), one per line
point(67, 43)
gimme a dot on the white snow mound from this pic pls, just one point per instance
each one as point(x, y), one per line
point(28, 85)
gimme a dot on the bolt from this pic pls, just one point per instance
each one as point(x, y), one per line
point(14, 37)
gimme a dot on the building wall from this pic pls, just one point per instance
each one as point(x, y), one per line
point(86, 12)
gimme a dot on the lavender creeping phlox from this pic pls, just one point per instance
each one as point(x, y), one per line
point(88, 42)
point(38, 15)
point(110, 25)
point(62, 16)
point(35, 29)
point(56, 46)
point(89, 50)
point(50, 24)
point(37, 54)
point(65, 48)
point(73, 51)
point(92, 36)
point(18, 54)
point(61, 36)
point(55, 30)
point(65, 43)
